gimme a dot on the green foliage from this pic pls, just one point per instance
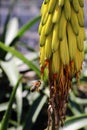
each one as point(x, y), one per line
point(5, 120)
point(21, 57)
point(22, 108)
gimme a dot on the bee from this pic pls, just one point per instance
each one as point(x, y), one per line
point(36, 86)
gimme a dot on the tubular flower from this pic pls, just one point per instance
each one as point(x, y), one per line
point(62, 37)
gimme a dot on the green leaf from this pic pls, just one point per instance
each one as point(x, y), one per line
point(2, 38)
point(75, 123)
point(24, 28)
point(21, 57)
point(5, 120)
point(11, 30)
point(34, 112)
point(77, 99)
point(13, 2)
point(3, 106)
point(74, 109)
point(12, 73)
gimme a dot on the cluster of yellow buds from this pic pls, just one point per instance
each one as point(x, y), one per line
point(62, 37)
